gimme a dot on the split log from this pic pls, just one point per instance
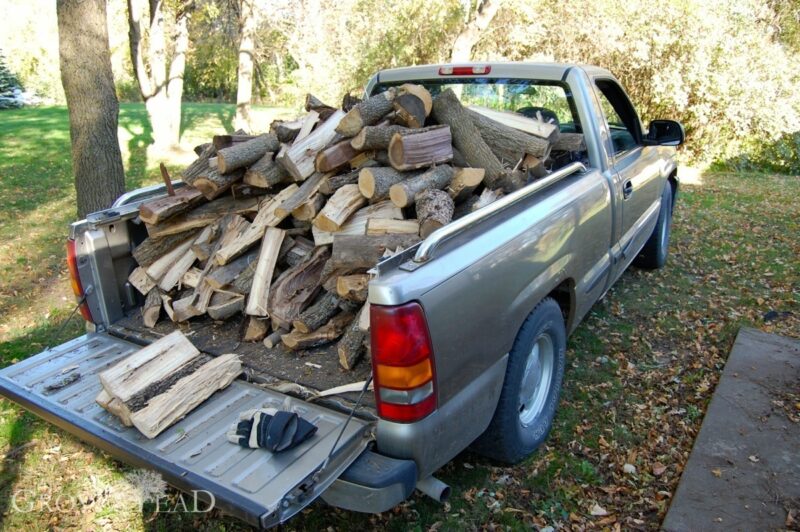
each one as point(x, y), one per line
point(465, 181)
point(256, 329)
point(335, 156)
point(315, 104)
point(244, 282)
point(538, 128)
point(363, 318)
point(113, 406)
point(374, 183)
point(183, 309)
point(419, 148)
point(285, 131)
point(308, 210)
point(447, 109)
point(410, 110)
point(477, 202)
point(351, 347)
point(151, 308)
point(353, 252)
point(508, 144)
point(434, 209)
point(569, 142)
point(258, 299)
point(186, 394)
point(224, 304)
point(302, 248)
point(151, 249)
point(299, 159)
point(404, 193)
point(213, 183)
point(221, 142)
point(375, 137)
point(224, 275)
point(339, 207)
point(244, 154)
point(203, 216)
point(158, 210)
point(326, 334)
point(191, 278)
point(353, 287)
point(134, 379)
point(366, 113)
point(420, 92)
point(199, 165)
point(378, 226)
point(265, 173)
point(296, 288)
point(332, 183)
point(534, 166)
point(306, 126)
point(317, 314)
point(141, 281)
point(309, 187)
point(158, 269)
point(265, 218)
point(357, 223)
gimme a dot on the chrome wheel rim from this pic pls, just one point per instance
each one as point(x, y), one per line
point(536, 380)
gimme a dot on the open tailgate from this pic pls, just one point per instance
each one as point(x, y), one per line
point(194, 454)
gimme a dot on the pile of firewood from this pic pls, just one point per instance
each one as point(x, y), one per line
point(284, 226)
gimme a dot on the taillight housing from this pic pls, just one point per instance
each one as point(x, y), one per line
point(475, 70)
point(75, 279)
point(402, 362)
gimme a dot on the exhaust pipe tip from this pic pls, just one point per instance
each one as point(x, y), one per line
point(434, 488)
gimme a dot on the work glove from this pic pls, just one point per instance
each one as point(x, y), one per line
point(271, 429)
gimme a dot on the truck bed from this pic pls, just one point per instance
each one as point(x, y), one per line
point(317, 369)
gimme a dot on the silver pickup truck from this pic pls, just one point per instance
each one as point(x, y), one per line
point(468, 327)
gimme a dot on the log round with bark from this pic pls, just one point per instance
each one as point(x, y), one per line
point(434, 209)
point(265, 173)
point(366, 113)
point(213, 183)
point(375, 137)
point(404, 193)
point(410, 110)
point(351, 347)
point(447, 109)
point(508, 144)
point(419, 148)
point(420, 92)
point(246, 153)
point(317, 314)
point(374, 183)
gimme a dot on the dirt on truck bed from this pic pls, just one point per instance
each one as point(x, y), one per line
point(317, 368)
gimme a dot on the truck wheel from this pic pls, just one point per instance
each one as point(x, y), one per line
point(654, 253)
point(531, 388)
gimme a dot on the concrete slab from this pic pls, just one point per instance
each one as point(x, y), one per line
point(744, 470)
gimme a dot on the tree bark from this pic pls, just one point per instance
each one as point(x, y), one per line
point(477, 23)
point(420, 148)
point(434, 209)
point(403, 194)
point(351, 347)
point(160, 78)
point(244, 154)
point(508, 144)
point(244, 86)
point(93, 108)
point(374, 183)
point(366, 113)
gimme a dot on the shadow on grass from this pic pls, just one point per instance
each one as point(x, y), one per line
point(194, 115)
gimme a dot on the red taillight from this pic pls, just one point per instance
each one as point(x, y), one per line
point(75, 279)
point(477, 70)
point(402, 362)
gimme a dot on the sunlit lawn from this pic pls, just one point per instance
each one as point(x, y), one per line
point(643, 364)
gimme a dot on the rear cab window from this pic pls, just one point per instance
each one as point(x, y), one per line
point(621, 118)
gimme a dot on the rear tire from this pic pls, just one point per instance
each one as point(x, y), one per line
point(531, 388)
point(654, 253)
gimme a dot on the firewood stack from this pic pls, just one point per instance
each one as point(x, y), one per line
point(283, 227)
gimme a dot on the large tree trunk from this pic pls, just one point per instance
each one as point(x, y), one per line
point(160, 77)
point(478, 21)
point(93, 107)
point(244, 90)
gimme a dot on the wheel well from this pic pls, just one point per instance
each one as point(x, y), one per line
point(563, 294)
point(673, 182)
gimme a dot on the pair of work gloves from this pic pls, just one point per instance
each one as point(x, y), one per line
point(271, 429)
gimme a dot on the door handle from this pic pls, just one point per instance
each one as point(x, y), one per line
point(627, 190)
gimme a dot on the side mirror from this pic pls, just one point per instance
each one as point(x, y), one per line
point(665, 133)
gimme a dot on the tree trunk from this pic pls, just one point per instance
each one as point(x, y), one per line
point(92, 101)
point(160, 78)
point(244, 90)
point(477, 22)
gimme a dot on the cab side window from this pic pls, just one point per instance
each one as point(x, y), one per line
point(623, 123)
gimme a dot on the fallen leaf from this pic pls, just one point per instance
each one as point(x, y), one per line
point(717, 472)
point(598, 510)
point(753, 458)
point(629, 468)
point(658, 469)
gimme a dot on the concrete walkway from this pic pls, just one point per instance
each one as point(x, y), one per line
point(744, 470)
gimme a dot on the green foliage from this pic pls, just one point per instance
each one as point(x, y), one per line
point(720, 68)
point(8, 83)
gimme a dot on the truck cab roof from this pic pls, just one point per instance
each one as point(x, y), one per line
point(496, 69)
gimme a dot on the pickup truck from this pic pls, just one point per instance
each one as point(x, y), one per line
point(474, 318)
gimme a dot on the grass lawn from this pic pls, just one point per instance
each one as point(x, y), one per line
point(642, 366)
